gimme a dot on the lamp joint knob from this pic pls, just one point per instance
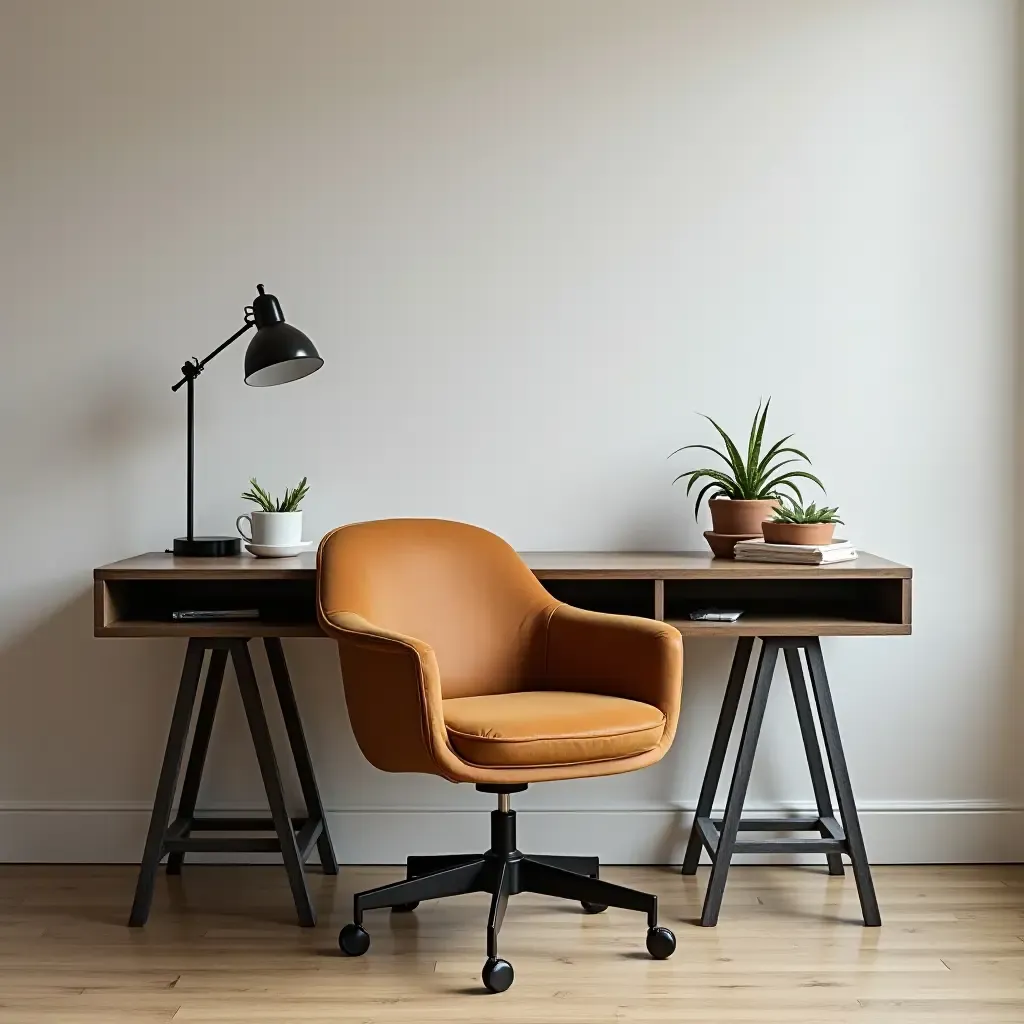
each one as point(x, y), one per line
point(191, 369)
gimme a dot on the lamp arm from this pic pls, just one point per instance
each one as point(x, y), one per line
point(194, 367)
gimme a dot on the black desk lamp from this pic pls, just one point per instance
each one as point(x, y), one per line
point(277, 354)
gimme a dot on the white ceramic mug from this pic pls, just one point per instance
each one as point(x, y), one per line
point(272, 529)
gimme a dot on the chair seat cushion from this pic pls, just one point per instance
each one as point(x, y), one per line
point(540, 728)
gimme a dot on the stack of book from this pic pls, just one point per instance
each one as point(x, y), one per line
point(799, 554)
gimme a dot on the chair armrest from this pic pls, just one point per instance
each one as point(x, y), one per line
point(397, 720)
point(618, 655)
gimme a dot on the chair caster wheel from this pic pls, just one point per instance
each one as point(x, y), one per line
point(405, 908)
point(497, 974)
point(661, 943)
point(353, 940)
point(593, 908)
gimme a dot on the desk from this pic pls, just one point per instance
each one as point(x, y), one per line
point(787, 607)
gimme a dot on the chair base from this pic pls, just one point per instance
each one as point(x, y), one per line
point(503, 871)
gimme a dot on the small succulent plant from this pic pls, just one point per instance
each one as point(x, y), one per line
point(794, 512)
point(289, 503)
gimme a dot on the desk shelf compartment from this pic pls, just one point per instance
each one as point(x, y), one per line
point(793, 607)
point(143, 607)
point(620, 597)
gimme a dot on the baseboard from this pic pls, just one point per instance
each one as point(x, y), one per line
point(895, 832)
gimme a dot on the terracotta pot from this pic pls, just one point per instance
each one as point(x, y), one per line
point(728, 516)
point(798, 533)
point(723, 544)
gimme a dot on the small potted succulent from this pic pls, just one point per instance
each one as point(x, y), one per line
point(744, 493)
point(276, 529)
point(794, 524)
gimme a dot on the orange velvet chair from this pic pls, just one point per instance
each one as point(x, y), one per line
point(457, 662)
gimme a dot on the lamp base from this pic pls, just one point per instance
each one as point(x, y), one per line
point(206, 547)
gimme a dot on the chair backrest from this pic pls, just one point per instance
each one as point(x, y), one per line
point(458, 588)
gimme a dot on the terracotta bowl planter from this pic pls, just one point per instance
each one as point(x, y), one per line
point(723, 544)
point(798, 533)
point(740, 517)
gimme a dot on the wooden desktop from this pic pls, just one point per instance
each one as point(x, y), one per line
point(787, 607)
point(868, 596)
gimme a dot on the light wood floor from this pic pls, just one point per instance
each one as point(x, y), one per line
point(221, 947)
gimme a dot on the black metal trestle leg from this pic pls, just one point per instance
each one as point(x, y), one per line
point(719, 746)
point(295, 837)
point(844, 789)
point(738, 788)
point(819, 783)
point(720, 837)
point(176, 738)
point(300, 751)
point(272, 781)
point(200, 746)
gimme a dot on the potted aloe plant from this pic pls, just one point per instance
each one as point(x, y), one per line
point(748, 488)
point(794, 524)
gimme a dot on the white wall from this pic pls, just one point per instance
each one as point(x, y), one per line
point(531, 240)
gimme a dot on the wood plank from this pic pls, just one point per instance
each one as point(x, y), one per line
point(102, 606)
point(589, 566)
point(749, 625)
point(243, 628)
point(157, 565)
point(645, 565)
point(222, 947)
point(697, 565)
point(771, 625)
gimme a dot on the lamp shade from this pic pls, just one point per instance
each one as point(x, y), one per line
point(278, 352)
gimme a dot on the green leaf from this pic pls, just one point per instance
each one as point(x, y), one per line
point(787, 511)
point(790, 474)
point(697, 474)
point(264, 495)
point(790, 511)
point(753, 464)
point(753, 434)
point(694, 475)
point(763, 487)
point(703, 491)
point(711, 474)
point(292, 499)
point(289, 503)
point(259, 496)
point(736, 460)
point(779, 449)
point(256, 500)
point(758, 477)
point(792, 486)
point(706, 447)
point(775, 448)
